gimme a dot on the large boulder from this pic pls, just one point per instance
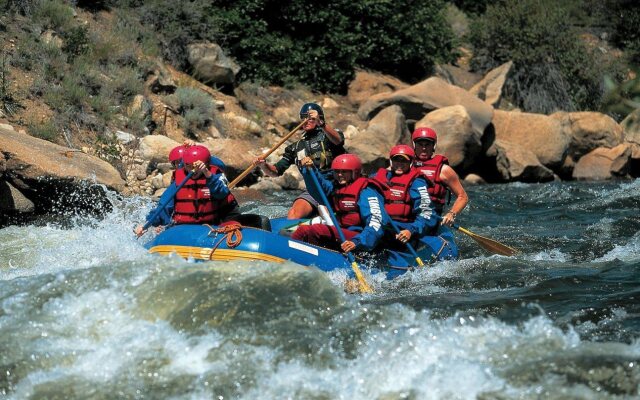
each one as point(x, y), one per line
point(456, 137)
point(160, 81)
point(286, 116)
point(156, 148)
point(240, 125)
point(489, 88)
point(210, 64)
point(588, 131)
point(384, 131)
point(433, 93)
point(516, 163)
point(542, 135)
point(457, 76)
point(366, 84)
point(236, 154)
point(32, 159)
point(604, 163)
point(40, 176)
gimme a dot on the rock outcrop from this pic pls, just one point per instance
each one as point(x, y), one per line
point(588, 131)
point(426, 96)
point(489, 88)
point(40, 176)
point(517, 163)
point(384, 131)
point(604, 163)
point(210, 64)
point(539, 134)
point(366, 84)
point(456, 137)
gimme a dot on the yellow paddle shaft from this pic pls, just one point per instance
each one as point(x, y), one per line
point(247, 171)
point(364, 286)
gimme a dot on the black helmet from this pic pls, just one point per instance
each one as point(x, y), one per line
point(304, 110)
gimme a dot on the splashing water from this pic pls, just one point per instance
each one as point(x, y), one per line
point(85, 312)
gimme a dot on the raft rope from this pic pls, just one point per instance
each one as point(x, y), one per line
point(232, 233)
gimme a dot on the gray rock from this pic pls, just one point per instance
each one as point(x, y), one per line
point(210, 64)
point(604, 163)
point(125, 137)
point(12, 200)
point(31, 159)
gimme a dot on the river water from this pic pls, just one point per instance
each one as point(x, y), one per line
point(85, 312)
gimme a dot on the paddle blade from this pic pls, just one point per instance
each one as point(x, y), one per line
point(489, 244)
point(364, 286)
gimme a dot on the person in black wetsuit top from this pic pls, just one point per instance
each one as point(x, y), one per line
point(321, 143)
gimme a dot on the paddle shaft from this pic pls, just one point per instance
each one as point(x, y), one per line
point(490, 245)
point(162, 206)
point(364, 286)
point(265, 155)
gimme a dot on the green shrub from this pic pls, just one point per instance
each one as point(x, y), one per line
point(195, 107)
point(76, 41)
point(622, 98)
point(553, 68)
point(53, 14)
point(625, 17)
point(111, 48)
point(46, 130)
point(8, 103)
point(87, 74)
point(287, 42)
point(52, 61)
point(138, 122)
point(471, 6)
point(73, 92)
point(24, 7)
point(124, 84)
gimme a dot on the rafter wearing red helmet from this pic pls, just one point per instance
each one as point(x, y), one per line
point(357, 202)
point(205, 197)
point(442, 177)
point(406, 197)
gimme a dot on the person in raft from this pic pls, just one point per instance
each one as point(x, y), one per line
point(175, 157)
point(442, 177)
point(204, 199)
point(321, 143)
point(357, 202)
point(406, 197)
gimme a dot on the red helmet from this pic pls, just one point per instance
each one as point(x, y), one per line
point(195, 153)
point(424, 133)
point(402, 150)
point(176, 153)
point(348, 162)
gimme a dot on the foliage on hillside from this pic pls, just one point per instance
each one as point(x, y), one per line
point(86, 74)
point(298, 41)
point(553, 68)
point(626, 23)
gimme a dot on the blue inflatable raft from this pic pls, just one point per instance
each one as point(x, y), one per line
point(203, 242)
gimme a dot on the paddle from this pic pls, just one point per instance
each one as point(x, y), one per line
point(486, 243)
point(161, 207)
point(265, 155)
point(364, 286)
point(409, 246)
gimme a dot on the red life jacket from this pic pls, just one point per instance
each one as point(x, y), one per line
point(194, 204)
point(345, 201)
point(397, 199)
point(431, 170)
